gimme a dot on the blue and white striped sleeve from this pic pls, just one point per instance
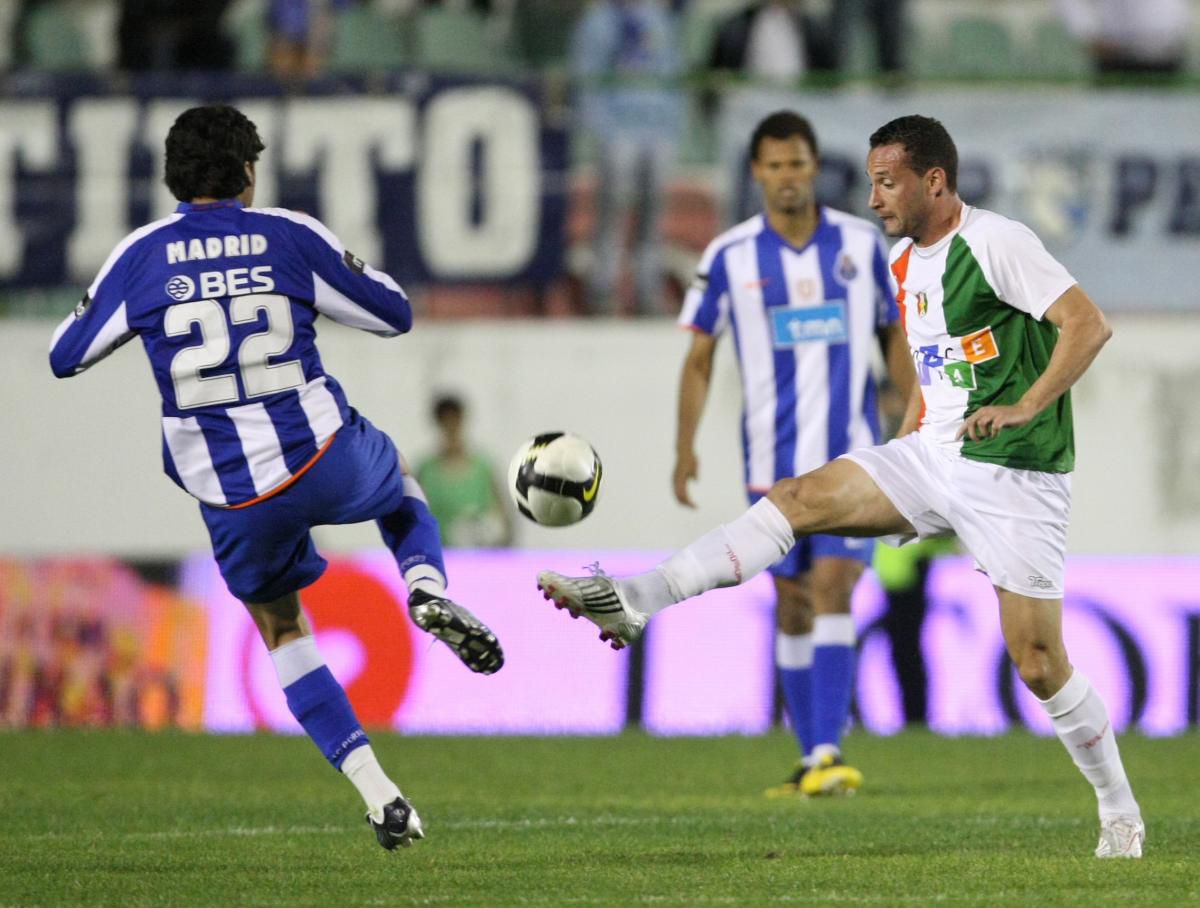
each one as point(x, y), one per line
point(99, 324)
point(345, 288)
point(706, 305)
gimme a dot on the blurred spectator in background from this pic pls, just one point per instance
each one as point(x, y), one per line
point(173, 34)
point(1131, 36)
point(301, 33)
point(887, 22)
point(461, 486)
point(626, 55)
point(775, 40)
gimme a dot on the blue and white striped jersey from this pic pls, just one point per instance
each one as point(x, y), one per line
point(224, 299)
point(805, 323)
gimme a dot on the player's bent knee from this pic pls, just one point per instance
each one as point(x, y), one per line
point(804, 500)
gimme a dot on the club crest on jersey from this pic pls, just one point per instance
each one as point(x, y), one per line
point(846, 269)
point(922, 304)
point(180, 287)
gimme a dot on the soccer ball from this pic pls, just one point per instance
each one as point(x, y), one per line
point(554, 479)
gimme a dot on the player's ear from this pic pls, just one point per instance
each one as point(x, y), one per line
point(935, 180)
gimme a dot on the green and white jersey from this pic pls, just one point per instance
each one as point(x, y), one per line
point(972, 305)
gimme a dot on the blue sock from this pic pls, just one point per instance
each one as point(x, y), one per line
point(832, 677)
point(317, 701)
point(793, 658)
point(411, 532)
point(323, 710)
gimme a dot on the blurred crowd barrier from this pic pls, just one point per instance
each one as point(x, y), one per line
point(97, 642)
point(466, 188)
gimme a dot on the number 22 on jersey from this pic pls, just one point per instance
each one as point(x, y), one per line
point(259, 376)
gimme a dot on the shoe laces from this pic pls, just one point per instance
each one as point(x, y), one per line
point(596, 571)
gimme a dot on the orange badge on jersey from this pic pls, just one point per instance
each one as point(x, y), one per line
point(980, 346)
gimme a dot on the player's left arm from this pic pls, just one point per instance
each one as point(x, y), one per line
point(898, 358)
point(1083, 330)
point(97, 327)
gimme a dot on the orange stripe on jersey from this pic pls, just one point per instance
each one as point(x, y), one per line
point(283, 485)
point(900, 272)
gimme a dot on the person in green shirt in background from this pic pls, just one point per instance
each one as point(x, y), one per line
point(903, 573)
point(461, 485)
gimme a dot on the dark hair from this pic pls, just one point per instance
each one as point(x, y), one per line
point(207, 151)
point(926, 142)
point(445, 404)
point(783, 124)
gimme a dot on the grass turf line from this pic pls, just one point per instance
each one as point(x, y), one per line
point(131, 819)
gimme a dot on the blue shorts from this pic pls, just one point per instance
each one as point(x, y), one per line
point(800, 559)
point(266, 551)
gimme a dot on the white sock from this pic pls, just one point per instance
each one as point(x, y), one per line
point(295, 659)
point(793, 651)
point(648, 593)
point(427, 578)
point(731, 554)
point(833, 630)
point(377, 790)
point(1081, 722)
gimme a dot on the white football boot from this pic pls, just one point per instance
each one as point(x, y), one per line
point(1121, 836)
point(597, 598)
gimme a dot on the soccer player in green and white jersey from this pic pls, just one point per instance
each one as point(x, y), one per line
point(999, 332)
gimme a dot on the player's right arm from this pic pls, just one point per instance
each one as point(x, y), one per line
point(693, 392)
point(345, 288)
point(99, 324)
point(705, 311)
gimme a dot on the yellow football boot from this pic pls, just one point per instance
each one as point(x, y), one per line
point(789, 788)
point(831, 776)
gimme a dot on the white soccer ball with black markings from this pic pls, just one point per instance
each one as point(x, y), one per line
point(554, 479)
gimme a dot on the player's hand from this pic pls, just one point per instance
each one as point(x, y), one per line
point(687, 468)
point(986, 422)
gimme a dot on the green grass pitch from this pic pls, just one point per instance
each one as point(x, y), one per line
point(131, 819)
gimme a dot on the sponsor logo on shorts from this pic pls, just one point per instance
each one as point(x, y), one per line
point(1037, 581)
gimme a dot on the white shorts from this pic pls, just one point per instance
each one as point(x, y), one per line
point(1014, 522)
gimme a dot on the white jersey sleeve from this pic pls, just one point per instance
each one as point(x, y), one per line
point(1020, 270)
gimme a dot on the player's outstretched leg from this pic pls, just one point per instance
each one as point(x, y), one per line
point(411, 532)
point(600, 599)
point(729, 555)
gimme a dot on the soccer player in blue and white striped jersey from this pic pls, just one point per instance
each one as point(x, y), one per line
point(225, 298)
point(806, 293)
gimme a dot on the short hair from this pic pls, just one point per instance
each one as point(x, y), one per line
point(783, 124)
point(926, 142)
point(207, 152)
point(445, 404)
